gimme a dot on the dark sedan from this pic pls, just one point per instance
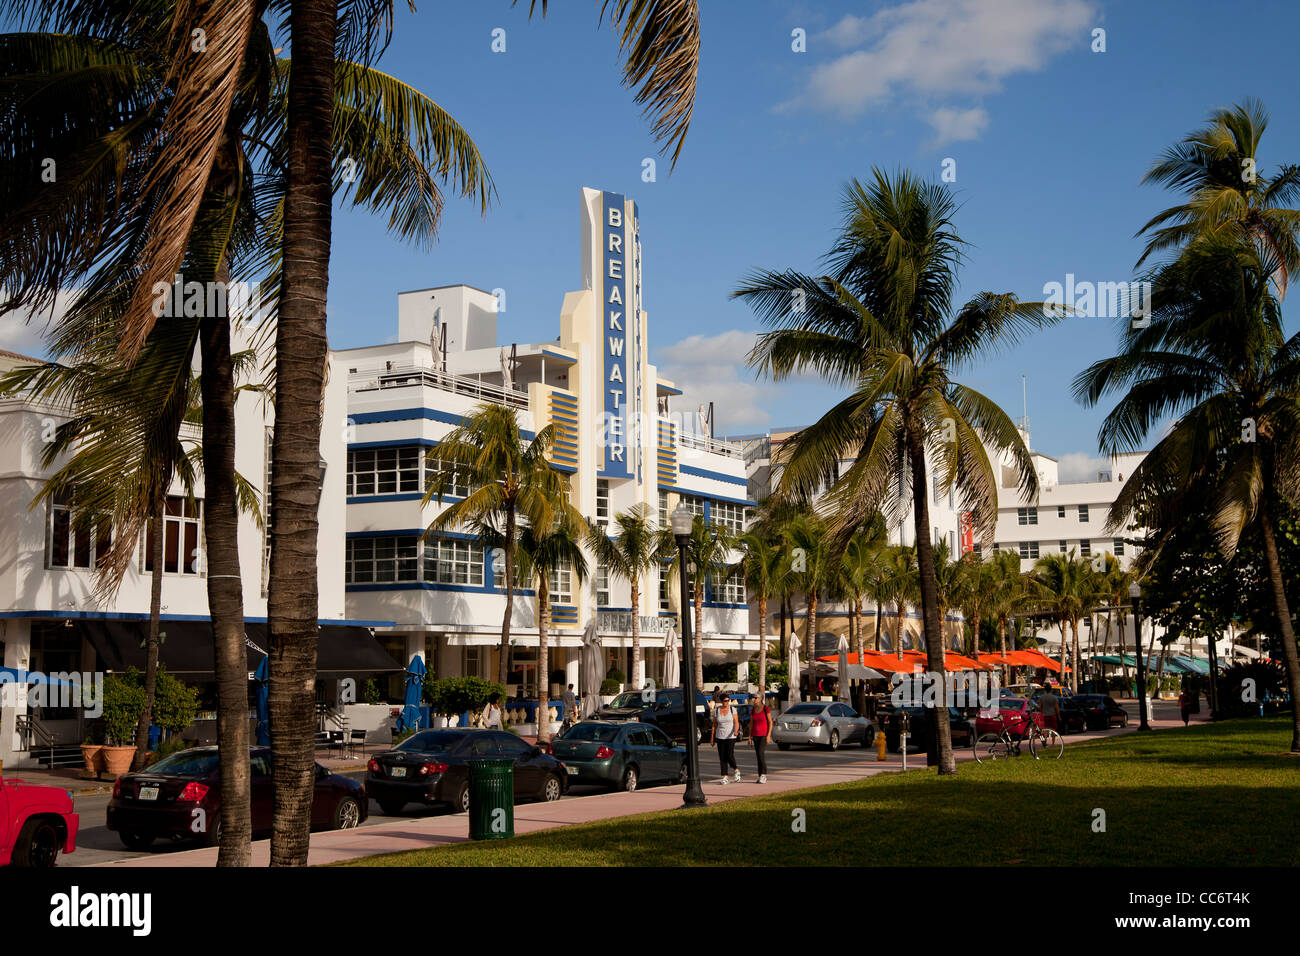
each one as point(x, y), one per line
point(1101, 711)
point(621, 755)
point(918, 730)
point(432, 767)
point(180, 797)
point(664, 708)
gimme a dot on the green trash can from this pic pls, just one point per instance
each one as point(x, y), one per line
point(491, 798)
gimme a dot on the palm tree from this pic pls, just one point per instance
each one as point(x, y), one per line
point(902, 586)
point(1215, 355)
point(764, 565)
point(883, 324)
point(1216, 166)
point(975, 590)
point(808, 549)
point(948, 576)
point(1112, 591)
point(632, 554)
point(543, 556)
point(1007, 592)
point(510, 480)
point(708, 551)
point(857, 566)
point(1065, 588)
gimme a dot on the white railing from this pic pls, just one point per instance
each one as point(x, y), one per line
point(403, 376)
point(714, 445)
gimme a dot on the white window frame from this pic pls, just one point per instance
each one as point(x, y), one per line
point(1028, 550)
point(602, 586)
point(190, 563)
point(1083, 514)
point(1027, 516)
point(602, 499)
point(446, 560)
point(560, 582)
point(394, 470)
point(91, 531)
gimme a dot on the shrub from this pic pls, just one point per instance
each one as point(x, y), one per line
point(123, 705)
point(777, 673)
point(455, 695)
point(1235, 695)
point(616, 675)
point(174, 702)
point(608, 686)
point(370, 692)
point(719, 673)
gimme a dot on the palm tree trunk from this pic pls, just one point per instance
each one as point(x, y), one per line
point(785, 651)
point(877, 625)
point(543, 658)
point(1065, 643)
point(940, 731)
point(151, 652)
point(1074, 653)
point(901, 611)
point(637, 680)
point(1123, 661)
point(508, 560)
point(810, 645)
point(225, 589)
point(301, 354)
point(762, 643)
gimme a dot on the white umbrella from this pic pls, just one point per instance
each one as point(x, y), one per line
point(793, 668)
point(842, 675)
point(672, 663)
point(593, 671)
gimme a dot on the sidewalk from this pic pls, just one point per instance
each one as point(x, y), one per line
point(418, 833)
point(67, 778)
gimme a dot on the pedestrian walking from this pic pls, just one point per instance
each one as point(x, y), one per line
point(760, 731)
point(569, 701)
point(726, 728)
point(1050, 705)
point(491, 715)
point(1185, 706)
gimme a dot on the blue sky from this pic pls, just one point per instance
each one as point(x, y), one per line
point(1050, 141)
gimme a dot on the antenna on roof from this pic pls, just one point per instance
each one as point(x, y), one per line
point(1023, 424)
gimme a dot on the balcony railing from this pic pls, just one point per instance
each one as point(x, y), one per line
point(404, 376)
point(713, 445)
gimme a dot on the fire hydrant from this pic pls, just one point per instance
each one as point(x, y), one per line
point(880, 746)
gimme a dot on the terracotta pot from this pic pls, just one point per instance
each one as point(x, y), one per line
point(93, 755)
point(117, 760)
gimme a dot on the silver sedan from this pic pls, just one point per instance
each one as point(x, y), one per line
point(822, 724)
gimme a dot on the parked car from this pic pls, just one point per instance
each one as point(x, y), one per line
point(619, 754)
point(1101, 711)
point(918, 731)
point(36, 823)
point(431, 767)
point(820, 724)
point(1072, 719)
point(1015, 711)
point(179, 797)
point(663, 708)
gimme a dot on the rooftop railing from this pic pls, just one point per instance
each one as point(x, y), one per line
point(405, 376)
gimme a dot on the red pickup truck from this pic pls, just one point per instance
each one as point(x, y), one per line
point(35, 824)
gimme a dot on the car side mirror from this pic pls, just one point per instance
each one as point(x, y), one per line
point(535, 752)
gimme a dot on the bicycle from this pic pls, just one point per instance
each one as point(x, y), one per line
point(1042, 740)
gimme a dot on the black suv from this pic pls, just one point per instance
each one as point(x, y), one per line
point(962, 731)
point(663, 708)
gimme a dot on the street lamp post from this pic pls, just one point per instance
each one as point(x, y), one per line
point(681, 521)
point(1135, 592)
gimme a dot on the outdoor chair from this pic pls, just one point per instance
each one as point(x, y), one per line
point(357, 737)
point(337, 740)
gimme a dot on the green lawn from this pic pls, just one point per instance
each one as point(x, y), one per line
point(1223, 794)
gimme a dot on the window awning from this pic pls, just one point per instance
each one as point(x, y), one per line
point(188, 650)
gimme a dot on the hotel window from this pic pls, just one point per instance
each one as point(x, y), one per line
point(182, 537)
point(382, 560)
point(1060, 511)
point(1085, 549)
point(72, 545)
point(731, 517)
point(1027, 516)
point(1119, 547)
point(561, 583)
point(663, 506)
point(937, 489)
point(453, 561)
point(458, 485)
point(1064, 547)
point(1029, 549)
point(693, 504)
point(473, 661)
point(602, 586)
point(1083, 513)
point(664, 576)
point(602, 499)
point(383, 471)
point(730, 591)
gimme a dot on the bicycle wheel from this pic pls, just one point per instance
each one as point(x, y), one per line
point(990, 747)
point(1047, 743)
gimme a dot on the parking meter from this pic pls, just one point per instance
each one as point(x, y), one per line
point(904, 723)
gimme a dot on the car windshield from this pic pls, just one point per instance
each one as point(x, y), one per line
point(431, 741)
point(806, 709)
point(599, 732)
point(188, 763)
point(629, 699)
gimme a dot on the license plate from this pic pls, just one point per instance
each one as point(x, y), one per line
point(397, 771)
point(148, 793)
point(793, 726)
point(573, 771)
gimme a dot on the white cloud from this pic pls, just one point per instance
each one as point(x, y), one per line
point(1080, 466)
point(22, 333)
point(952, 125)
point(929, 52)
point(711, 368)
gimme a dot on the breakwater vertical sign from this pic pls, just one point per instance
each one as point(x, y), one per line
point(616, 320)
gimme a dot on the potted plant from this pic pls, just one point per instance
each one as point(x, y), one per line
point(123, 705)
point(609, 689)
point(93, 756)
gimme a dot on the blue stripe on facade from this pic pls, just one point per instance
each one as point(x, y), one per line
point(404, 496)
point(415, 414)
point(713, 475)
point(141, 616)
point(559, 355)
point(432, 586)
point(398, 443)
point(709, 495)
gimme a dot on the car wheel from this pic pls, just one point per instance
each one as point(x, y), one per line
point(783, 747)
point(135, 840)
point(551, 790)
point(347, 815)
point(868, 737)
point(461, 803)
point(391, 808)
point(38, 845)
point(213, 836)
point(628, 784)
point(681, 774)
point(835, 740)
